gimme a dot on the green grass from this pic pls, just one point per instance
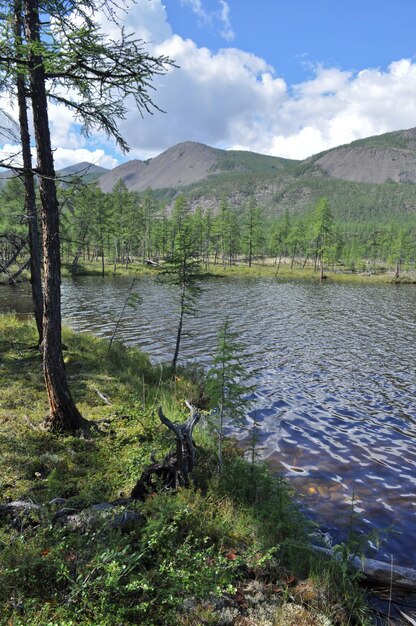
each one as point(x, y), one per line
point(93, 268)
point(190, 549)
point(259, 269)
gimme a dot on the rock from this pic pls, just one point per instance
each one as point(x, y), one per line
point(127, 520)
point(58, 501)
point(21, 513)
point(102, 506)
point(18, 506)
point(97, 515)
point(82, 521)
point(63, 513)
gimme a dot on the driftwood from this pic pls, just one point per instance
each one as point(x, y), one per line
point(379, 572)
point(174, 470)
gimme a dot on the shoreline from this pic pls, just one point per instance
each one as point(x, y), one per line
point(241, 269)
point(240, 530)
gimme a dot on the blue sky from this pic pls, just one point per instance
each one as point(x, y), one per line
point(294, 35)
point(286, 78)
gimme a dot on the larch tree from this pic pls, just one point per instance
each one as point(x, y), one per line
point(15, 83)
point(322, 232)
point(65, 57)
point(182, 269)
point(227, 385)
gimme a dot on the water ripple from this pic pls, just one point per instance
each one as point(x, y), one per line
point(334, 369)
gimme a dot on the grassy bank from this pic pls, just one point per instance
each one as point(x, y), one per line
point(259, 269)
point(230, 550)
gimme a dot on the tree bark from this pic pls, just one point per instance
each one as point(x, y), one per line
point(29, 183)
point(178, 333)
point(64, 415)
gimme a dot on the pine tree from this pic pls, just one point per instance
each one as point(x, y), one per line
point(322, 232)
point(227, 383)
point(182, 268)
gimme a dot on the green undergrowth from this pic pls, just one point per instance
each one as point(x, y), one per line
point(189, 557)
point(259, 269)
point(94, 268)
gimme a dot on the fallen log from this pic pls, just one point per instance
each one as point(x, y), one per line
point(378, 572)
point(21, 269)
point(174, 470)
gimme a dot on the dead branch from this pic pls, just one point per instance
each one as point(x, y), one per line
point(175, 469)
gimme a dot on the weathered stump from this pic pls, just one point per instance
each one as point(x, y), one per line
point(175, 469)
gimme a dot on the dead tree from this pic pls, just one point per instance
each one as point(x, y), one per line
point(14, 246)
point(175, 469)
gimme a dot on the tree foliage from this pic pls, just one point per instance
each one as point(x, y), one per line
point(55, 51)
point(227, 383)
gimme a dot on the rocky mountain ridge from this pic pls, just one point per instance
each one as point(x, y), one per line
point(384, 158)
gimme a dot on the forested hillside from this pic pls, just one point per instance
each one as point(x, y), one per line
point(121, 227)
point(370, 179)
point(243, 206)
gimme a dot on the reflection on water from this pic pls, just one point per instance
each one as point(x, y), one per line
point(334, 369)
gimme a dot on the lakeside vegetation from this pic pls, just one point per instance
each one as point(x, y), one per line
point(120, 231)
point(224, 549)
point(75, 547)
point(264, 268)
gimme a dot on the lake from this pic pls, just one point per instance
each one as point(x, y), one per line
point(334, 369)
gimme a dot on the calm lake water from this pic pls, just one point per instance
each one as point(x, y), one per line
point(334, 368)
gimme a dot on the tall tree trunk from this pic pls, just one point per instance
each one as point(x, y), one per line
point(29, 183)
point(293, 257)
point(179, 332)
point(102, 255)
point(64, 416)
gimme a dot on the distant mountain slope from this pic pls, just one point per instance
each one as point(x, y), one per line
point(380, 159)
point(83, 168)
point(87, 171)
point(370, 165)
point(188, 163)
point(129, 172)
point(370, 179)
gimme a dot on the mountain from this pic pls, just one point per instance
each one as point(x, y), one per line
point(185, 164)
point(129, 172)
point(87, 171)
point(368, 180)
point(384, 158)
point(84, 170)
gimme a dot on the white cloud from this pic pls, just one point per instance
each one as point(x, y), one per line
point(224, 16)
point(211, 97)
point(147, 19)
point(234, 99)
point(197, 8)
point(10, 155)
point(64, 157)
point(221, 15)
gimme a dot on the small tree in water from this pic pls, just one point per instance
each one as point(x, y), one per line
point(226, 383)
point(182, 269)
